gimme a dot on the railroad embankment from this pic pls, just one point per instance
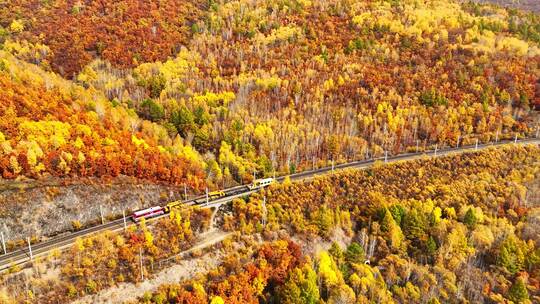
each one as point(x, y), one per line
point(43, 208)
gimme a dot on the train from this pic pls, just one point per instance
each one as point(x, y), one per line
point(216, 194)
point(156, 211)
point(172, 205)
point(147, 213)
point(261, 183)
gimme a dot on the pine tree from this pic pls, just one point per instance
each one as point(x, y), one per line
point(355, 253)
point(414, 225)
point(511, 256)
point(310, 290)
point(398, 212)
point(290, 291)
point(337, 253)
point(387, 221)
point(431, 246)
point(300, 287)
point(518, 292)
point(470, 218)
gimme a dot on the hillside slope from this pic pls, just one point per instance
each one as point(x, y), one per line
point(453, 229)
point(263, 86)
point(216, 93)
point(531, 5)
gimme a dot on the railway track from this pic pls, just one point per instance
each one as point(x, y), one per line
point(22, 256)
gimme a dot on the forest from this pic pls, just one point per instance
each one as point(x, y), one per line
point(462, 228)
point(209, 93)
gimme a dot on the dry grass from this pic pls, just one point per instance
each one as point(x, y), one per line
point(531, 5)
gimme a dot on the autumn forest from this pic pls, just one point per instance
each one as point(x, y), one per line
point(201, 95)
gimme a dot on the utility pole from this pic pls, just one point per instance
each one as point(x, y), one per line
point(30, 249)
point(101, 213)
point(140, 259)
point(124, 216)
point(476, 145)
point(223, 177)
point(3, 243)
point(264, 211)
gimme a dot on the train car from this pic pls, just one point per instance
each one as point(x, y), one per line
point(147, 213)
point(172, 205)
point(216, 194)
point(261, 183)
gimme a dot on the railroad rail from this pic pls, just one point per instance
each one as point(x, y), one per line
point(22, 256)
